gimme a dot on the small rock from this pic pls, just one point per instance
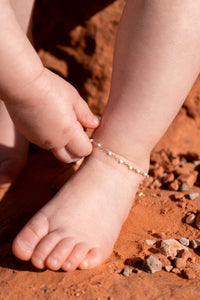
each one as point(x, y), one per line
point(189, 274)
point(184, 241)
point(180, 263)
point(168, 178)
point(152, 264)
point(174, 186)
point(168, 268)
point(176, 271)
point(157, 171)
point(190, 219)
point(194, 266)
point(175, 161)
point(196, 163)
point(184, 187)
point(155, 184)
point(189, 179)
point(197, 221)
point(164, 260)
point(179, 197)
point(171, 247)
point(193, 196)
point(185, 254)
point(127, 271)
point(195, 244)
point(150, 242)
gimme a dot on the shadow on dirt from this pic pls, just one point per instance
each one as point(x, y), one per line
point(36, 185)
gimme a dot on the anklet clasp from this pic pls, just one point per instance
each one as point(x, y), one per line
point(118, 159)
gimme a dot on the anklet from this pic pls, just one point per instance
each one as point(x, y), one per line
point(119, 160)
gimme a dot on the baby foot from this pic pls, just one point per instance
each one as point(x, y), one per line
point(13, 150)
point(79, 226)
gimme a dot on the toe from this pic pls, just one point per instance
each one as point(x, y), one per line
point(28, 238)
point(93, 258)
point(76, 256)
point(59, 254)
point(45, 246)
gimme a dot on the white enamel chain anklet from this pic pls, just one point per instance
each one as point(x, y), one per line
point(119, 160)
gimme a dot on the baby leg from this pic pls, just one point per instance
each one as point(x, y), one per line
point(13, 146)
point(156, 61)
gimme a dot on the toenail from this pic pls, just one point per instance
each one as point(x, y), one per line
point(54, 262)
point(84, 265)
point(38, 262)
point(67, 265)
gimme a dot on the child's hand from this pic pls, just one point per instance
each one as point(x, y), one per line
point(50, 113)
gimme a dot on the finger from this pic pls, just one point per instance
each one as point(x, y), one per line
point(64, 155)
point(85, 116)
point(79, 145)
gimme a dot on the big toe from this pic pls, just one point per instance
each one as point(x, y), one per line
point(28, 238)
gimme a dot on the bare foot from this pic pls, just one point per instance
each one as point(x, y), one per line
point(79, 226)
point(13, 150)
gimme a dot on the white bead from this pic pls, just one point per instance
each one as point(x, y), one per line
point(99, 145)
point(130, 167)
point(121, 161)
point(138, 171)
point(91, 140)
point(109, 153)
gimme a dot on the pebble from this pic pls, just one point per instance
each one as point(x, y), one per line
point(189, 274)
point(195, 244)
point(180, 263)
point(184, 187)
point(185, 254)
point(190, 219)
point(164, 260)
point(152, 264)
point(168, 178)
point(176, 271)
point(189, 179)
point(197, 221)
point(194, 266)
point(193, 196)
point(150, 242)
point(184, 241)
point(196, 162)
point(174, 186)
point(168, 268)
point(171, 247)
point(179, 197)
point(158, 171)
point(127, 271)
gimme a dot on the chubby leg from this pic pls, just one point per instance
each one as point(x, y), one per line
point(156, 61)
point(13, 146)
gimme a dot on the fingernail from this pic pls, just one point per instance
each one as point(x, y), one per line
point(96, 121)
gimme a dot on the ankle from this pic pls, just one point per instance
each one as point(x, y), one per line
point(134, 154)
point(136, 167)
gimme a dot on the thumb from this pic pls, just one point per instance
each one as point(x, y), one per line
point(85, 116)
